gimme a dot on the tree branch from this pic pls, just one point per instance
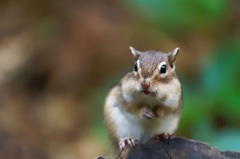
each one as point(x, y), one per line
point(177, 148)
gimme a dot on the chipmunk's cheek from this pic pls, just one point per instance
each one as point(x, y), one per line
point(158, 92)
point(138, 87)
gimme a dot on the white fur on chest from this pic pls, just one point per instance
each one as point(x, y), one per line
point(130, 125)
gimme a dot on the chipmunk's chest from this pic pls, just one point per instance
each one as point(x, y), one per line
point(130, 125)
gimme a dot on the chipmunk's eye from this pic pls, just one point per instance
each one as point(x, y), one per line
point(163, 69)
point(135, 67)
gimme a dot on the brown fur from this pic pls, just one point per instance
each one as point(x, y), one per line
point(149, 62)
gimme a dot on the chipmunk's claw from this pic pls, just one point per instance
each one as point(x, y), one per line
point(148, 114)
point(165, 136)
point(127, 142)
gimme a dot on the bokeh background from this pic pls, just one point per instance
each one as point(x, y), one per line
point(58, 60)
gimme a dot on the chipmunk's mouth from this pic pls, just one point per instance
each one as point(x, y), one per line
point(146, 92)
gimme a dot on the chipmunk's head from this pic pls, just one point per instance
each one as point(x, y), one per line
point(154, 73)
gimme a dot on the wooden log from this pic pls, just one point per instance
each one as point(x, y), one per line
point(177, 148)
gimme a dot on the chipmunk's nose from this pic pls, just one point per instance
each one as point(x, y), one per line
point(145, 84)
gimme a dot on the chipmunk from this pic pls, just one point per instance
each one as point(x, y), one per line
point(146, 102)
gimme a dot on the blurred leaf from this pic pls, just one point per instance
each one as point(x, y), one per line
point(187, 14)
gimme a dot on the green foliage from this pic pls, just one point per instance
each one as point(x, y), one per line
point(185, 15)
point(214, 105)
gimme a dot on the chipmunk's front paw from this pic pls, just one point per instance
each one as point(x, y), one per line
point(148, 114)
point(163, 136)
point(127, 142)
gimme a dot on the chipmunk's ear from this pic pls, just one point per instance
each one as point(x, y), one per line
point(135, 53)
point(172, 57)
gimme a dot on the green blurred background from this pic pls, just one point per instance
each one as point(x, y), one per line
point(59, 59)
